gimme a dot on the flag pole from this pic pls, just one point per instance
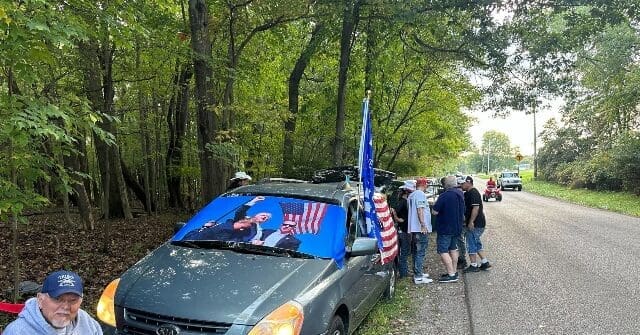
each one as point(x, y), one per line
point(365, 116)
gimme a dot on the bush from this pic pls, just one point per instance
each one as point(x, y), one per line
point(626, 156)
point(600, 174)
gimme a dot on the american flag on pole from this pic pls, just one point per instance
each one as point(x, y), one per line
point(307, 215)
point(388, 232)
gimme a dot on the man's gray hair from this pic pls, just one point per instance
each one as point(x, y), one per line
point(450, 182)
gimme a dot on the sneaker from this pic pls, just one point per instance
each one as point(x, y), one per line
point(447, 275)
point(425, 275)
point(485, 266)
point(449, 279)
point(422, 280)
point(472, 268)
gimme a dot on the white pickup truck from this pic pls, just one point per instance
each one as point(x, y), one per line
point(510, 180)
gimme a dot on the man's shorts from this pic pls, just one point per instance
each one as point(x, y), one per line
point(446, 243)
point(473, 240)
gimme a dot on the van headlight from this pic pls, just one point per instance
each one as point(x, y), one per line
point(106, 310)
point(284, 320)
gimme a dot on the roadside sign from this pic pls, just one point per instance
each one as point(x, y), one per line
point(519, 157)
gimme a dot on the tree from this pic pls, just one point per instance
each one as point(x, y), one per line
point(294, 94)
point(497, 151)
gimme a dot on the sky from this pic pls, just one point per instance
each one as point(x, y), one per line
point(518, 126)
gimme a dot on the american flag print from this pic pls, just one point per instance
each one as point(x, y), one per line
point(307, 215)
point(388, 232)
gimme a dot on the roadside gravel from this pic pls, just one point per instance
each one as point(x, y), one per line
point(437, 308)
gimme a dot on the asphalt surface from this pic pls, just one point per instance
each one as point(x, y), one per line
point(558, 268)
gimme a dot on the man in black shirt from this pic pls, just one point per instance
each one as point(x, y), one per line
point(401, 217)
point(475, 223)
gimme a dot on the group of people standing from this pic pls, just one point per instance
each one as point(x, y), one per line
point(460, 225)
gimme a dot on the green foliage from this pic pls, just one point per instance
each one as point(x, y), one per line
point(626, 157)
point(384, 316)
point(570, 160)
point(620, 202)
point(24, 126)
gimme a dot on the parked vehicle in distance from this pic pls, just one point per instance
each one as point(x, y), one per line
point(492, 192)
point(305, 265)
point(511, 180)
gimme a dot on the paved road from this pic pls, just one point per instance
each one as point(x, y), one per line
point(558, 269)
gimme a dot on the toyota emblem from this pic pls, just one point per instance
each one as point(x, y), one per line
point(168, 329)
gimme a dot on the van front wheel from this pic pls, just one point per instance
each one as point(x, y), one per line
point(337, 326)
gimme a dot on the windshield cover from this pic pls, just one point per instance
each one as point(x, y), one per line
point(309, 227)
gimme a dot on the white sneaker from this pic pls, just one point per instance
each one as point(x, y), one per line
point(422, 280)
point(425, 275)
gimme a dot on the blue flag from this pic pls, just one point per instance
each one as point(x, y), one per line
point(367, 174)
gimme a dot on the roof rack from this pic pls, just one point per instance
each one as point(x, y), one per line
point(280, 180)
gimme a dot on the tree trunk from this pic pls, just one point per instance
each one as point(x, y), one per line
point(14, 221)
point(177, 120)
point(157, 181)
point(75, 162)
point(294, 91)
point(212, 170)
point(144, 139)
point(98, 61)
point(350, 17)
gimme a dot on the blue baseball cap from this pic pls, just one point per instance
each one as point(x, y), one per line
point(61, 282)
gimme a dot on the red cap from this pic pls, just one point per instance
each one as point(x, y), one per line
point(421, 182)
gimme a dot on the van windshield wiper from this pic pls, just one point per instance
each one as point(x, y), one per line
point(241, 247)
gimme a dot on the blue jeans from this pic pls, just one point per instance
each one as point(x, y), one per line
point(420, 244)
point(473, 240)
point(405, 250)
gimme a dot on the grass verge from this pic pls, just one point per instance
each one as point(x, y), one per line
point(384, 317)
point(621, 202)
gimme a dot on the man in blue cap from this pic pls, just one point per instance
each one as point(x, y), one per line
point(55, 310)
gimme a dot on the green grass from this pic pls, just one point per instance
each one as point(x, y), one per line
point(620, 202)
point(382, 320)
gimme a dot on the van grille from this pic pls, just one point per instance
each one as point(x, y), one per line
point(143, 323)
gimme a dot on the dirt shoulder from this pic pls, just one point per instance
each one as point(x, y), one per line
point(437, 308)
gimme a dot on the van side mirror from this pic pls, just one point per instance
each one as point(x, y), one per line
point(364, 246)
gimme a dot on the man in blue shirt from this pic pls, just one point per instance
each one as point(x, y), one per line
point(449, 208)
point(419, 225)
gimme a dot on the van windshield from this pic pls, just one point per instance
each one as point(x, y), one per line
point(310, 227)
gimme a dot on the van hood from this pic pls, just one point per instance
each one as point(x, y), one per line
point(216, 285)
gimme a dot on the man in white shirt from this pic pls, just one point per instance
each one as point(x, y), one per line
point(419, 226)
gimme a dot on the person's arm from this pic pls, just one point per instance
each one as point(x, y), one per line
point(423, 225)
point(436, 207)
point(396, 218)
point(254, 200)
point(473, 215)
point(241, 213)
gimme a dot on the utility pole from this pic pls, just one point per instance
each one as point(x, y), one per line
point(535, 150)
point(488, 153)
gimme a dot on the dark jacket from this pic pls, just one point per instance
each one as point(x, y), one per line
point(224, 231)
point(286, 242)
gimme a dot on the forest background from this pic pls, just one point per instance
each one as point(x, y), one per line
point(111, 108)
